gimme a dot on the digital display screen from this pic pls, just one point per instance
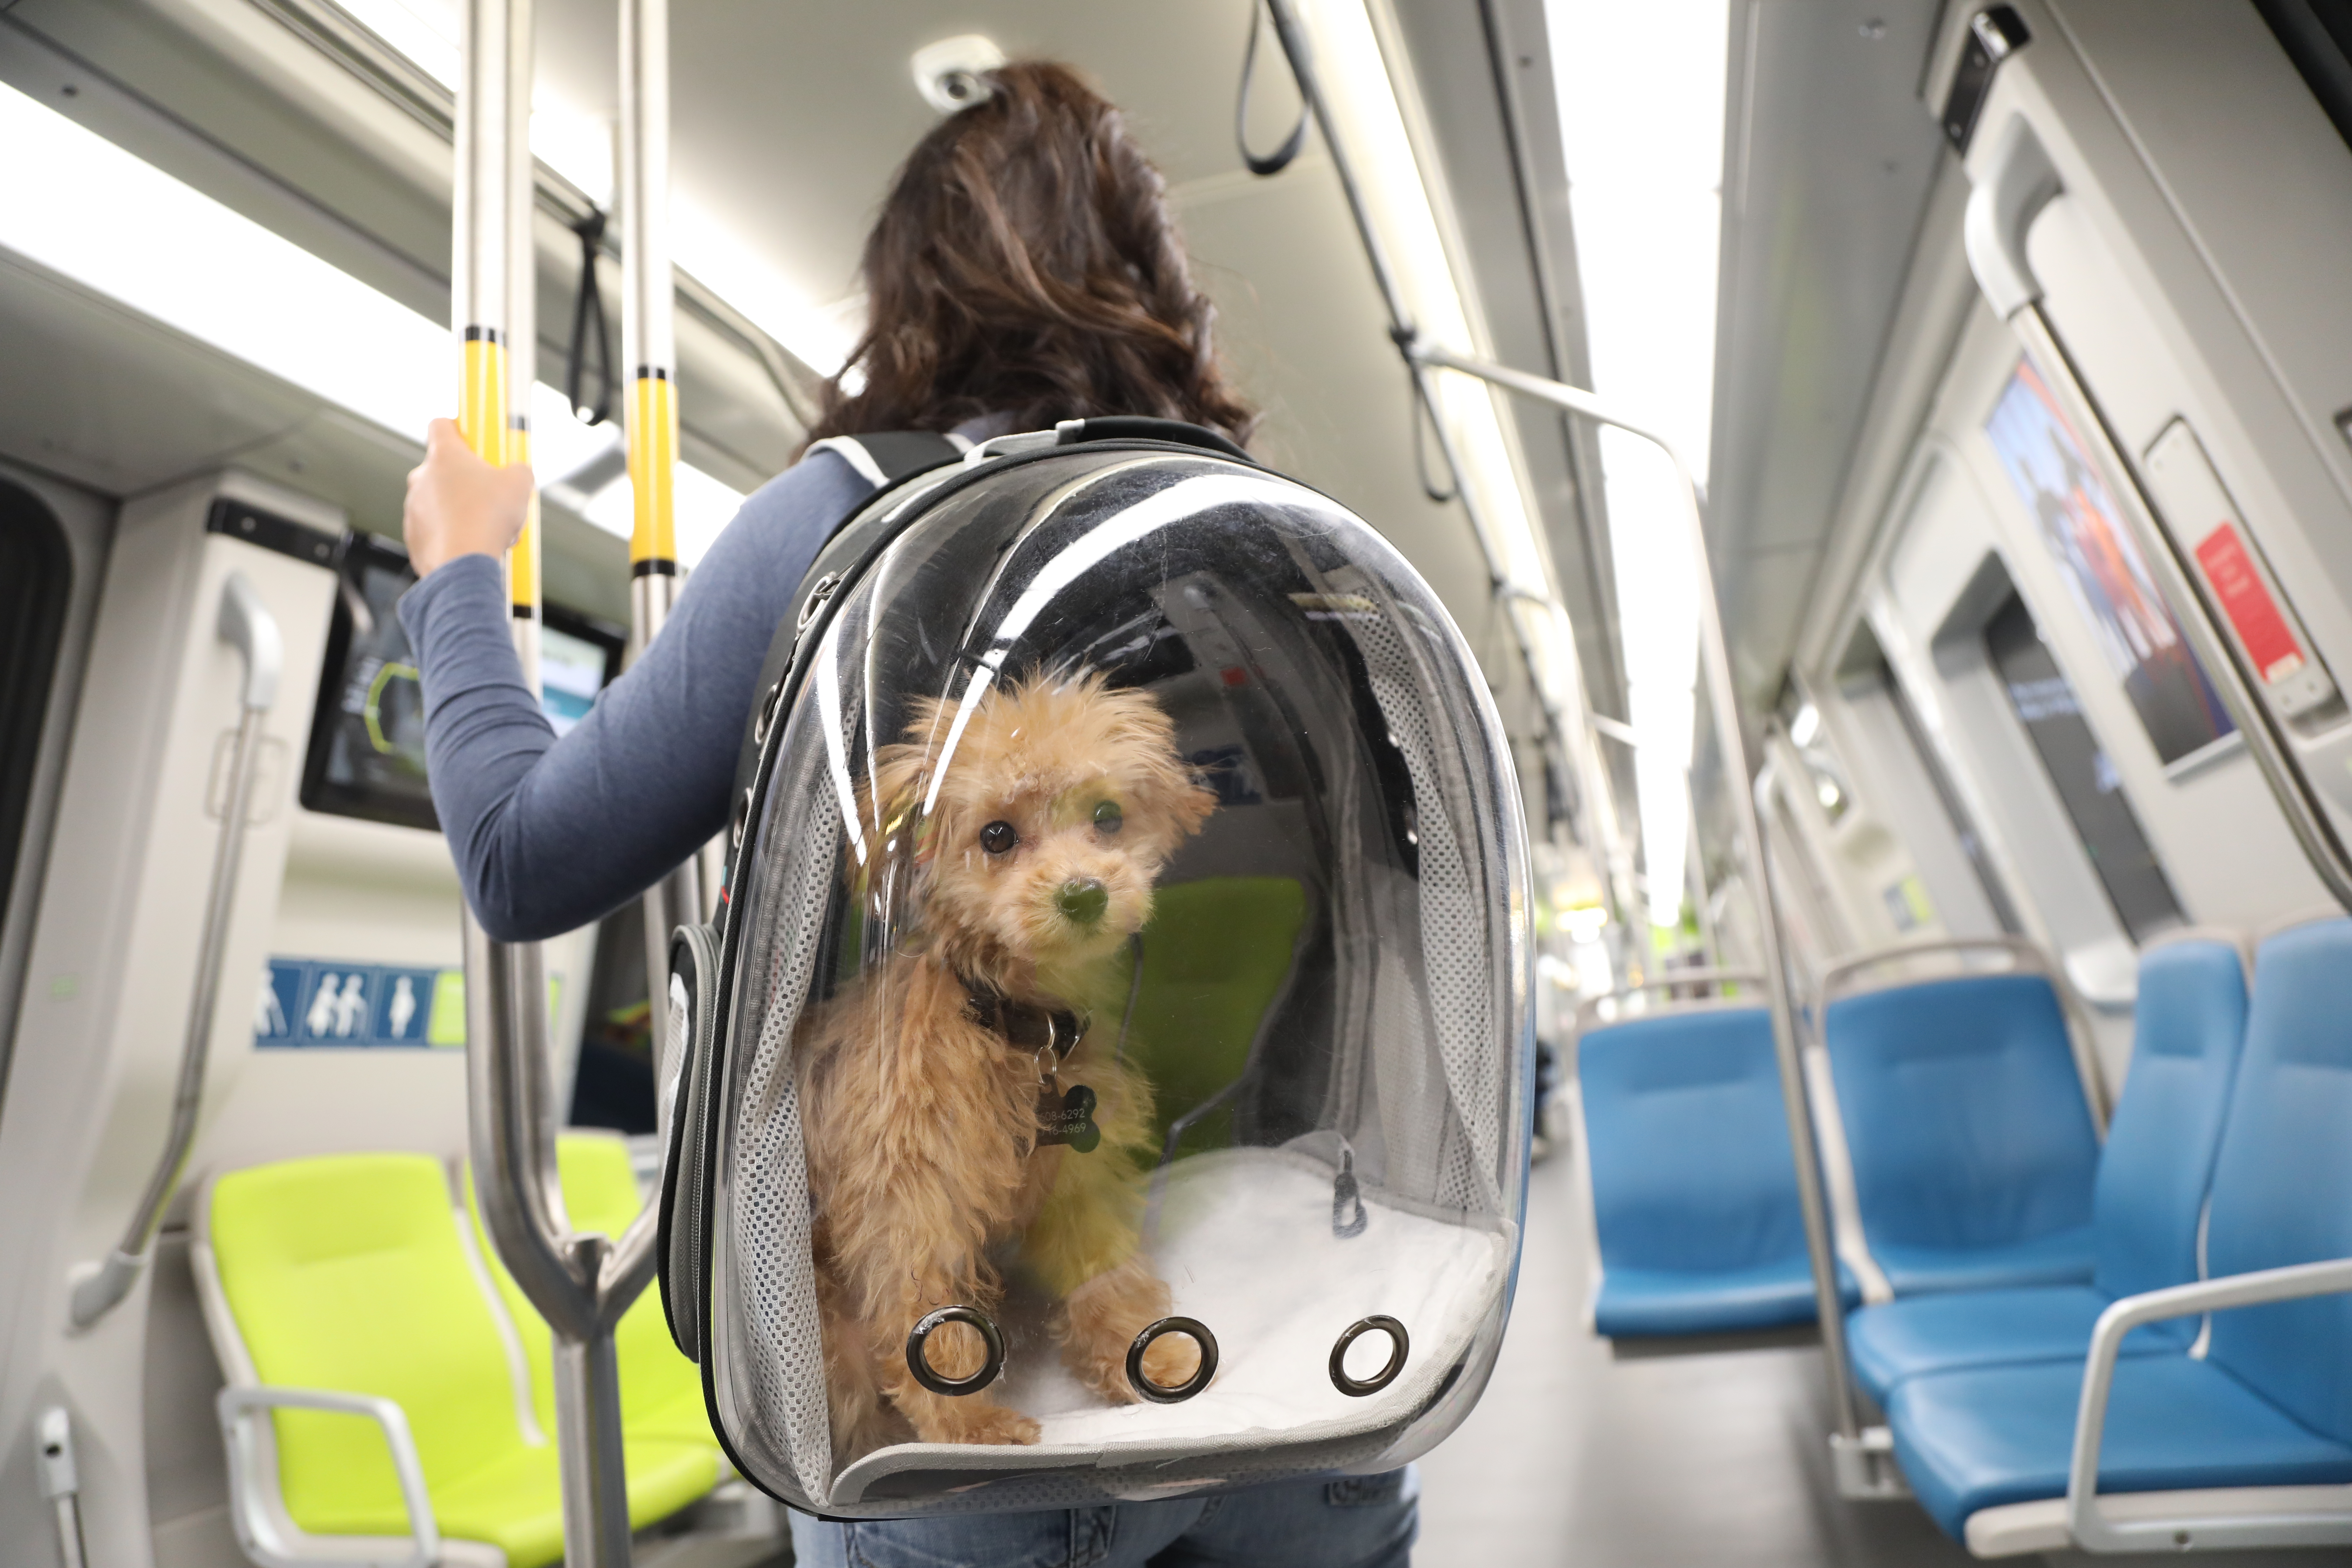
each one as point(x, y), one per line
point(571, 672)
point(367, 736)
point(2104, 571)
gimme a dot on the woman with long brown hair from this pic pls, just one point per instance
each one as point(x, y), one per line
point(1024, 270)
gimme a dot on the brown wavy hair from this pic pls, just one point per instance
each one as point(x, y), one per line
point(1025, 263)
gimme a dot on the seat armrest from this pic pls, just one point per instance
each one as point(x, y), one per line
point(2091, 1530)
point(262, 1536)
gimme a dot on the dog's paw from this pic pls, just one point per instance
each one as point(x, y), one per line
point(987, 1424)
point(1171, 1361)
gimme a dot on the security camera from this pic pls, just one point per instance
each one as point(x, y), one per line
point(950, 74)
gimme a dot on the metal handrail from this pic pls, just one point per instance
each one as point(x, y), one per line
point(247, 624)
point(2094, 1530)
point(1576, 732)
point(580, 1284)
point(1834, 976)
point(648, 347)
point(1590, 1006)
point(258, 1533)
point(1422, 356)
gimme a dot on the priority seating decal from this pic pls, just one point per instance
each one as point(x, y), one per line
point(337, 1004)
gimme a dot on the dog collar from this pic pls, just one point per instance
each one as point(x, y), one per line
point(1024, 1024)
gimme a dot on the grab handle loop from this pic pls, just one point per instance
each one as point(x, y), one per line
point(1400, 1345)
point(955, 1387)
point(587, 307)
point(1282, 157)
point(1158, 1394)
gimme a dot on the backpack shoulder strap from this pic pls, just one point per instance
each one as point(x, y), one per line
point(885, 458)
point(882, 457)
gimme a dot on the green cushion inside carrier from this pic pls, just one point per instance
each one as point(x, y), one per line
point(1215, 955)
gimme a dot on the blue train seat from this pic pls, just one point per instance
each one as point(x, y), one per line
point(2270, 1404)
point(1694, 1186)
point(2146, 1204)
point(1970, 1140)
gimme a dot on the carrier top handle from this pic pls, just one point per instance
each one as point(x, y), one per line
point(581, 1285)
point(1856, 1463)
point(648, 339)
point(246, 625)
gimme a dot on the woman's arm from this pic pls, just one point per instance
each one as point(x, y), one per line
point(551, 833)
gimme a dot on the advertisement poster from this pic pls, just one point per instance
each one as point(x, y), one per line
point(2105, 573)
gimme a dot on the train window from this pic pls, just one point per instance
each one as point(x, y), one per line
point(2085, 778)
point(36, 575)
point(2317, 37)
point(1881, 676)
point(367, 736)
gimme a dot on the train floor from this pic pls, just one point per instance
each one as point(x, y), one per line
point(1577, 1455)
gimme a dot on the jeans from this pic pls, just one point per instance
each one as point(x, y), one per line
point(1350, 1522)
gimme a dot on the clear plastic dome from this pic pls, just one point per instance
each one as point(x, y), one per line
point(1123, 1086)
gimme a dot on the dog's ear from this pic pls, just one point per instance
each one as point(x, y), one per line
point(890, 801)
point(1187, 802)
point(1168, 788)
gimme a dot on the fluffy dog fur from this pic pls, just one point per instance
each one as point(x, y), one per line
point(922, 1124)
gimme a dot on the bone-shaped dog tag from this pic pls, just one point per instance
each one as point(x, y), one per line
point(1068, 1119)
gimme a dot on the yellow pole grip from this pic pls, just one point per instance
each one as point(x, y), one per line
point(522, 560)
point(653, 474)
point(482, 396)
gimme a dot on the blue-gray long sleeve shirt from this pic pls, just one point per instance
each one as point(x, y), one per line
point(551, 833)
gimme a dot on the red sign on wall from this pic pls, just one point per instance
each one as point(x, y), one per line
point(2247, 601)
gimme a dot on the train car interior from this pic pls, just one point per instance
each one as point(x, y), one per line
point(1891, 461)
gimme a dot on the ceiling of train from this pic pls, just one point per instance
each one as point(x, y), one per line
point(789, 117)
point(1829, 161)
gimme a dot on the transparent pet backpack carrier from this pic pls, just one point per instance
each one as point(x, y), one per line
point(1109, 1076)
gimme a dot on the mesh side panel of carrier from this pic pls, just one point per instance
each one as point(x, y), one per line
point(785, 1351)
point(1453, 928)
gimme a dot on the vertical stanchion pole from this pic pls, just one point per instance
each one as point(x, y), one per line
point(1854, 1460)
point(1857, 1463)
point(521, 336)
point(581, 1285)
point(648, 347)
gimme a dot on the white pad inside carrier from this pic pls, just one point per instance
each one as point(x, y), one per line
point(1248, 1246)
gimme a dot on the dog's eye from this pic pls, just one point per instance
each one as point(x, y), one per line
point(997, 837)
point(1107, 817)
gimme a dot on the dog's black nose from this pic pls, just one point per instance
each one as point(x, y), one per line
point(1082, 900)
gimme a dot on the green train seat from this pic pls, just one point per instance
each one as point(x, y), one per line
point(661, 1391)
point(343, 1304)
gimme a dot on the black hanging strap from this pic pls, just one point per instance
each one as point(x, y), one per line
point(1279, 160)
point(587, 306)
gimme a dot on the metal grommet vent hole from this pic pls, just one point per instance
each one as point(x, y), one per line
point(1399, 1346)
point(920, 1365)
point(1198, 1332)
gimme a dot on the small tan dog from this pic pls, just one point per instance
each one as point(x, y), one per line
point(926, 1085)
